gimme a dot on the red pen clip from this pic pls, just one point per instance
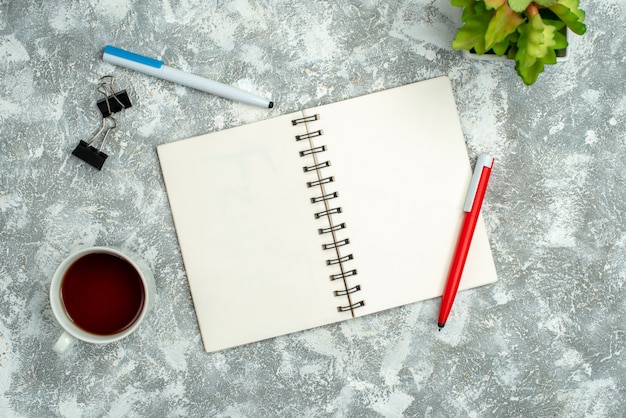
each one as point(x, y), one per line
point(473, 203)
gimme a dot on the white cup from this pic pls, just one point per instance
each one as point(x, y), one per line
point(73, 332)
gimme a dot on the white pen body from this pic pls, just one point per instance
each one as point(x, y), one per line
point(158, 69)
point(213, 87)
point(484, 160)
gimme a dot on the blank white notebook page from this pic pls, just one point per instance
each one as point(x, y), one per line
point(257, 250)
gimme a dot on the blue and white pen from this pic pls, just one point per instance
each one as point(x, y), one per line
point(156, 68)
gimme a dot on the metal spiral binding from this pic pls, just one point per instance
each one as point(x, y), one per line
point(320, 181)
point(308, 135)
point(305, 119)
point(343, 275)
point(316, 166)
point(339, 260)
point(324, 197)
point(331, 229)
point(313, 150)
point(351, 307)
point(328, 212)
point(347, 291)
point(336, 244)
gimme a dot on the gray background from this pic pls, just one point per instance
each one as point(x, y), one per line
point(547, 340)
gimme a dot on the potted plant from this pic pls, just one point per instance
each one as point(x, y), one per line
point(529, 32)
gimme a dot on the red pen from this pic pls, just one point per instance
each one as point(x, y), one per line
point(473, 203)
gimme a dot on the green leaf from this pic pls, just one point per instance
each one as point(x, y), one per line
point(463, 3)
point(468, 12)
point(494, 4)
point(501, 47)
point(472, 33)
point(546, 3)
point(571, 15)
point(537, 42)
point(504, 22)
point(507, 45)
point(560, 41)
point(519, 5)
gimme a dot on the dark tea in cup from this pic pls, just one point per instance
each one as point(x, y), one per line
point(102, 293)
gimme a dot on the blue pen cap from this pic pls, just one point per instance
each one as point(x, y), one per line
point(118, 53)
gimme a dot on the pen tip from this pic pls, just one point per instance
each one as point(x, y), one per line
point(440, 326)
point(271, 105)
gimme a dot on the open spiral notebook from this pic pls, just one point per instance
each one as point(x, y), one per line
point(324, 214)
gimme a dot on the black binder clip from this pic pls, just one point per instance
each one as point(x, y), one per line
point(91, 155)
point(113, 102)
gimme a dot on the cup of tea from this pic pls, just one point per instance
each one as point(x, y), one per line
point(100, 295)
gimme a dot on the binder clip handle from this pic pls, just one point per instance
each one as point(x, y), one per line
point(113, 102)
point(88, 153)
